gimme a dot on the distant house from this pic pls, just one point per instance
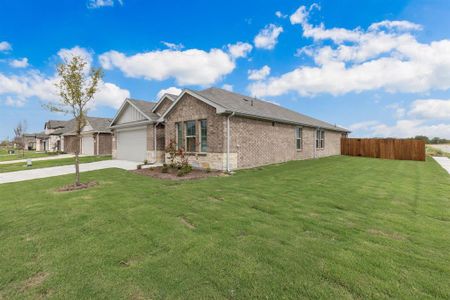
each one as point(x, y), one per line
point(220, 130)
point(96, 137)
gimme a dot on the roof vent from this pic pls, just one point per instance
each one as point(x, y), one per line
point(248, 100)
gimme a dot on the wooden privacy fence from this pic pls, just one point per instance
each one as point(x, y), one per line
point(403, 149)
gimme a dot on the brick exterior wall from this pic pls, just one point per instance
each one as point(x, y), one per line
point(190, 109)
point(160, 143)
point(259, 142)
point(253, 142)
point(163, 106)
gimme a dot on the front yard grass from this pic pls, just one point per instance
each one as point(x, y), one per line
point(50, 163)
point(27, 154)
point(339, 227)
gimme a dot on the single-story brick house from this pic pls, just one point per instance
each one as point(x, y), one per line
point(220, 130)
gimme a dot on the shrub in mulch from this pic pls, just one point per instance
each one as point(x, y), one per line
point(74, 187)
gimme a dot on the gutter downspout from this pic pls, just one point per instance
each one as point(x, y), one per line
point(228, 142)
point(154, 143)
point(315, 142)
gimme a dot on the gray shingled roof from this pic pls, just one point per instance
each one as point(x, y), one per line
point(54, 124)
point(146, 107)
point(253, 107)
point(100, 124)
point(97, 124)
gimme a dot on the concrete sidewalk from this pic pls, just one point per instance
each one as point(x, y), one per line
point(444, 162)
point(64, 170)
point(60, 156)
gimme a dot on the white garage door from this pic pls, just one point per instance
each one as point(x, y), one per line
point(87, 145)
point(132, 144)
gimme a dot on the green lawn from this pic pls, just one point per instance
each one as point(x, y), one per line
point(50, 163)
point(340, 227)
point(18, 155)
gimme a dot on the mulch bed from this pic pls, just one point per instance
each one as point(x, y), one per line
point(73, 187)
point(172, 174)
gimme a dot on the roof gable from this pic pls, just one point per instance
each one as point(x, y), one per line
point(134, 111)
point(219, 109)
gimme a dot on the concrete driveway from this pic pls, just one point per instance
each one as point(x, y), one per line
point(64, 170)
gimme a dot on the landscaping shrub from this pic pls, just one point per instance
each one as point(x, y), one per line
point(185, 169)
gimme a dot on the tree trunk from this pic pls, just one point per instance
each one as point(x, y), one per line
point(77, 162)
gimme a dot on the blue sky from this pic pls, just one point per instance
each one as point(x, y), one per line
point(380, 68)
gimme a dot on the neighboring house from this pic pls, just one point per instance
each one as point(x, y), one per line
point(35, 141)
point(51, 130)
point(220, 130)
point(29, 141)
point(96, 137)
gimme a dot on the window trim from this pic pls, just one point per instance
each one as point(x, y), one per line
point(186, 137)
point(200, 138)
point(320, 139)
point(178, 126)
point(299, 137)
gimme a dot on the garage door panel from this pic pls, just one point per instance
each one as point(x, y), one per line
point(87, 145)
point(132, 145)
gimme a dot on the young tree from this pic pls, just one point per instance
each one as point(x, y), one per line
point(76, 87)
point(19, 139)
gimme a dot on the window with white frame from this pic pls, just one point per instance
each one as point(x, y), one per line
point(320, 138)
point(299, 138)
point(203, 136)
point(179, 135)
point(190, 136)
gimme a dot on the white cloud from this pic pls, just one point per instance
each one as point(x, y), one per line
point(400, 25)
point(227, 87)
point(259, 74)
point(386, 57)
point(67, 54)
point(403, 128)
point(15, 102)
point(411, 128)
point(365, 125)
point(267, 38)
point(173, 46)
point(171, 90)
point(5, 46)
point(239, 49)
point(280, 15)
point(110, 95)
point(92, 4)
point(188, 67)
point(398, 109)
point(19, 63)
point(431, 109)
point(18, 89)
